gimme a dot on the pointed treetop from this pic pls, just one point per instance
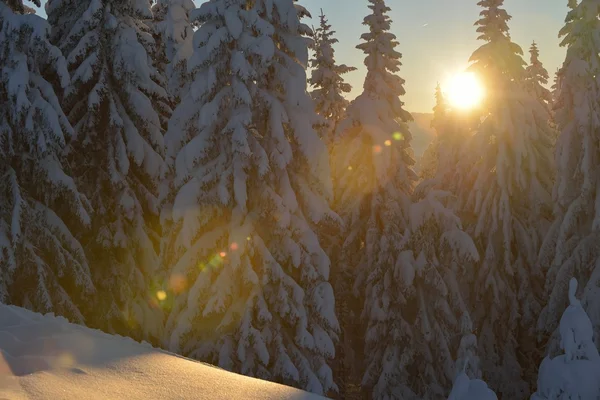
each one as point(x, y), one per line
point(499, 60)
point(440, 108)
point(380, 43)
point(327, 81)
point(493, 24)
point(587, 13)
point(535, 53)
point(382, 61)
point(537, 77)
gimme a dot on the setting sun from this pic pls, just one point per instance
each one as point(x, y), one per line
point(464, 90)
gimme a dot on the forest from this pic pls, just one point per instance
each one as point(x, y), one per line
point(195, 176)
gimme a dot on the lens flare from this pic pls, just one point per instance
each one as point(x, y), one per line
point(161, 295)
point(388, 143)
point(398, 136)
point(177, 283)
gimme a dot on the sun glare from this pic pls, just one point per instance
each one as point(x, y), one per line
point(464, 90)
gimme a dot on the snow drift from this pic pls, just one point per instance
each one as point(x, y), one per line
point(46, 357)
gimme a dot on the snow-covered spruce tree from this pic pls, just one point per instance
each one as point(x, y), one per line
point(576, 373)
point(42, 265)
point(571, 246)
point(400, 252)
point(116, 154)
point(173, 34)
point(423, 293)
point(373, 180)
point(252, 177)
point(536, 77)
point(555, 87)
point(328, 94)
point(327, 81)
point(509, 194)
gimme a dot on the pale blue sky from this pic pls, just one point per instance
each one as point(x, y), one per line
point(437, 37)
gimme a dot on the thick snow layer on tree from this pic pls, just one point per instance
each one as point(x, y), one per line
point(470, 389)
point(45, 357)
point(576, 373)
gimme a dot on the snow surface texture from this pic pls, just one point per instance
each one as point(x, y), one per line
point(46, 357)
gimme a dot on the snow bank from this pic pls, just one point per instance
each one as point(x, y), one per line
point(45, 357)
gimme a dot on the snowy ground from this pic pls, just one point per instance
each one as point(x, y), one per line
point(43, 357)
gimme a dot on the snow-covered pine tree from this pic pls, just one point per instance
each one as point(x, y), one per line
point(571, 247)
point(510, 197)
point(327, 80)
point(252, 178)
point(42, 265)
point(173, 33)
point(575, 374)
point(537, 77)
point(116, 154)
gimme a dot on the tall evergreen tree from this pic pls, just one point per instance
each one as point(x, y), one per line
point(555, 86)
point(400, 251)
point(428, 164)
point(252, 177)
point(537, 77)
point(571, 246)
point(508, 192)
point(327, 81)
point(173, 35)
point(374, 179)
point(328, 93)
point(42, 265)
point(117, 152)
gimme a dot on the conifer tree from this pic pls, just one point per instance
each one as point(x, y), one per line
point(173, 35)
point(536, 77)
point(327, 81)
point(428, 164)
point(116, 154)
point(508, 194)
point(42, 265)
point(570, 248)
point(401, 252)
point(436, 257)
point(576, 373)
point(556, 86)
point(374, 179)
point(252, 177)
